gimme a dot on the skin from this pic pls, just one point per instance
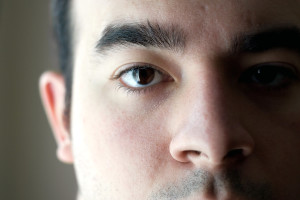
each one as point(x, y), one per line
point(199, 135)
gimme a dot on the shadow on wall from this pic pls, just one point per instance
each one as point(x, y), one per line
point(30, 170)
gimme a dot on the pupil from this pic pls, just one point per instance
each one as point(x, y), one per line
point(144, 76)
point(265, 75)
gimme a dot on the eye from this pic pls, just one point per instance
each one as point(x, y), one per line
point(141, 76)
point(269, 75)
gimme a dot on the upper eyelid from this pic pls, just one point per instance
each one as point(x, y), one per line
point(128, 67)
point(276, 64)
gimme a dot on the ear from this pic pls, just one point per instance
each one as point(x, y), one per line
point(52, 90)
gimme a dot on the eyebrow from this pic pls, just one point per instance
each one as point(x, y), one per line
point(279, 37)
point(168, 37)
point(171, 37)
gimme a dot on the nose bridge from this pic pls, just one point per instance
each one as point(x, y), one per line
point(208, 129)
point(206, 102)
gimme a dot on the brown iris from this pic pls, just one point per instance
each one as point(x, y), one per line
point(266, 75)
point(144, 76)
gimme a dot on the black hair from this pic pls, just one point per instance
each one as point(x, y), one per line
point(62, 33)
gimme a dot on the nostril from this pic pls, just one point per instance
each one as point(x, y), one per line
point(195, 153)
point(191, 153)
point(235, 153)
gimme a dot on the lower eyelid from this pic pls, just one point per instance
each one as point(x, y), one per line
point(131, 90)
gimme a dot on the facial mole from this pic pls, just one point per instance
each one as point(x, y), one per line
point(203, 8)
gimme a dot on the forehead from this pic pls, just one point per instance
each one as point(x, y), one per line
point(169, 9)
point(208, 20)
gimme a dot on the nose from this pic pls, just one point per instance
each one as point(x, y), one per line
point(211, 148)
point(209, 128)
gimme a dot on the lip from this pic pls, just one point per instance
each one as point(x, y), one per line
point(228, 196)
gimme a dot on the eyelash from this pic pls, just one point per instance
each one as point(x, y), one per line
point(138, 91)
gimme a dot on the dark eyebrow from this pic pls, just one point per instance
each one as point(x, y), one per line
point(279, 37)
point(168, 37)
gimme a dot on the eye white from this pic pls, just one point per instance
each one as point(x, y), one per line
point(130, 79)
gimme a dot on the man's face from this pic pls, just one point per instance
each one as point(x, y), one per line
point(203, 105)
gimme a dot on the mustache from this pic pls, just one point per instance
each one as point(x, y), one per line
point(201, 181)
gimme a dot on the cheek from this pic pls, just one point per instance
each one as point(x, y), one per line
point(120, 148)
point(278, 144)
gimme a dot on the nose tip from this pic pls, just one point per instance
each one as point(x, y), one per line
point(214, 151)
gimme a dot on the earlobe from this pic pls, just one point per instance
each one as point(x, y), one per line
point(64, 151)
point(52, 90)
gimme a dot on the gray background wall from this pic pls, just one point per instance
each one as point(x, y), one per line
point(29, 169)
